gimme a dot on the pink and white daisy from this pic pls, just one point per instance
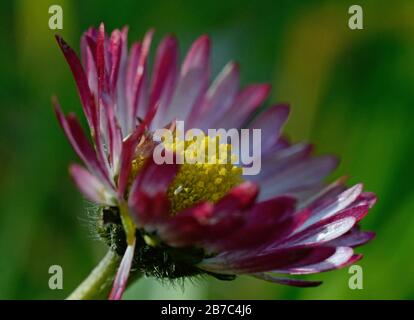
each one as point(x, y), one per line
point(175, 220)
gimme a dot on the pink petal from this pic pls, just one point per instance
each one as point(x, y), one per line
point(327, 205)
point(115, 49)
point(88, 102)
point(298, 177)
point(80, 79)
point(164, 78)
point(254, 262)
point(91, 187)
point(287, 281)
point(81, 145)
point(88, 50)
point(240, 197)
point(188, 227)
point(218, 99)
point(324, 232)
point(270, 122)
point(265, 221)
point(127, 115)
point(276, 161)
point(121, 278)
point(198, 57)
point(193, 80)
point(127, 155)
point(342, 257)
point(103, 85)
point(139, 101)
point(149, 211)
point(352, 238)
point(188, 94)
point(205, 224)
point(366, 198)
point(246, 103)
point(327, 229)
point(148, 196)
point(120, 91)
point(114, 137)
point(154, 178)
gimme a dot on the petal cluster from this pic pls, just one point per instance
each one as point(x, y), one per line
point(285, 220)
point(243, 235)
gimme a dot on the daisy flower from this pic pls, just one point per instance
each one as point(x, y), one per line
point(185, 219)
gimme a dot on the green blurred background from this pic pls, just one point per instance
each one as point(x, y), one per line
point(351, 93)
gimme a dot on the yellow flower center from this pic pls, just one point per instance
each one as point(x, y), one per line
point(207, 173)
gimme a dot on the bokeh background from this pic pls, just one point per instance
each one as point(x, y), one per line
point(351, 93)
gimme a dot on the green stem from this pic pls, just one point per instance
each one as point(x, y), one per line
point(99, 282)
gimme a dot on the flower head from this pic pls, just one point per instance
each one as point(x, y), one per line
point(188, 218)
